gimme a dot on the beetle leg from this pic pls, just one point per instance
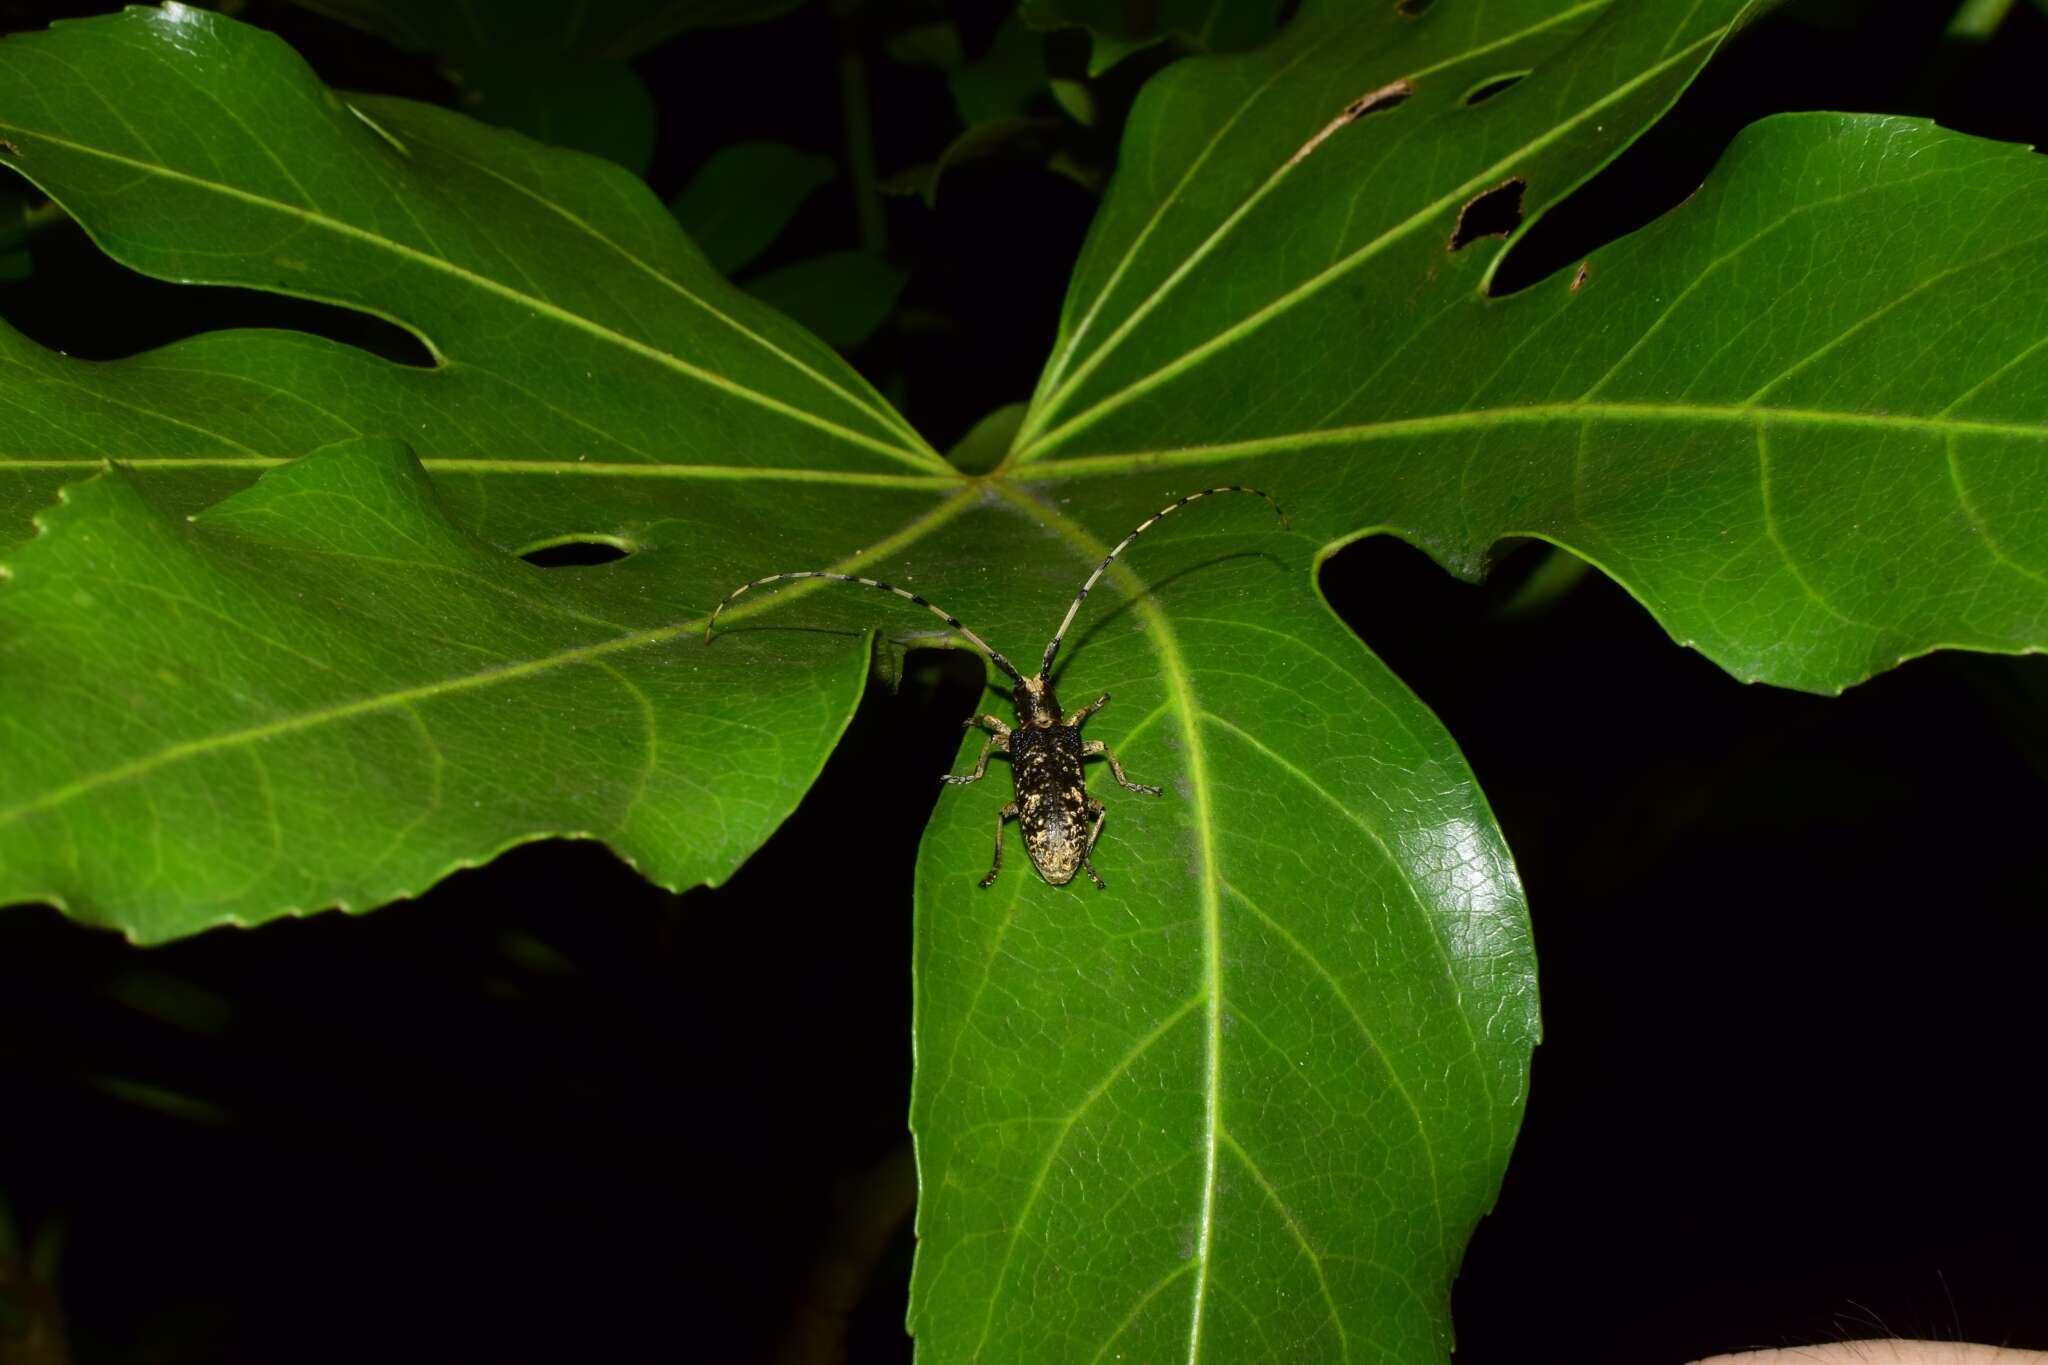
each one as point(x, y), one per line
point(999, 737)
point(1096, 746)
point(1090, 709)
point(1003, 816)
point(1001, 741)
point(1088, 853)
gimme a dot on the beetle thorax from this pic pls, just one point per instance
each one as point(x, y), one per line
point(1037, 707)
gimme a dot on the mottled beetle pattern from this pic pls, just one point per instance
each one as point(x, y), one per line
point(1059, 819)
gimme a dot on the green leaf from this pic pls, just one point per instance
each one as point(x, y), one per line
point(1977, 21)
point(983, 447)
point(1178, 1117)
point(843, 296)
point(329, 641)
point(584, 349)
point(936, 45)
point(1136, 1134)
point(1117, 28)
point(1555, 577)
point(1075, 99)
point(613, 29)
point(553, 69)
point(1018, 136)
point(595, 105)
point(1248, 1102)
point(1735, 417)
point(595, 380)
point(739, 201)
point(1003, 80)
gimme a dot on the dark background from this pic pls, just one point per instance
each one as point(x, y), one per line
point(1792, 947)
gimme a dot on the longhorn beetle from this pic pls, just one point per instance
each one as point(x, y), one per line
point(1046, 750)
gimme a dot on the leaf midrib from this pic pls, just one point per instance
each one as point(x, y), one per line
point(1055, 383)
point(1181, 702)
point(925, 460)
point(458, 465)
point(1177, 680)
point(1123, 462)
point(880, 409)
point(1740, 414)
point(1032, 449)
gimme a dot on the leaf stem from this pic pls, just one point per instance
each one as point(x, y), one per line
point(860, 139)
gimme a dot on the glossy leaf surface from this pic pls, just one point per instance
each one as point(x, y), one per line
point(596, 380)
point(1748, 426)
point(328, 644)
point(1256, 305)
point(1247, 1103)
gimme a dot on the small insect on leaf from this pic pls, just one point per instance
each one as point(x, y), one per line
point(1059, 819)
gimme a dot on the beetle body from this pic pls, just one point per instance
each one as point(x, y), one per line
point(1052, 799)
point(1060, 821)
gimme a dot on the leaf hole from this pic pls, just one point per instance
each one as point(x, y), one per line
point(1493, 213)
point(1491, 86)
point(1412, 9)
point(1371, 102)
point(1579, 276)
point(578, 552)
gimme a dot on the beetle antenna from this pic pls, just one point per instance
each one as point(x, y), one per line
point(998, 660)
point(1053, 647)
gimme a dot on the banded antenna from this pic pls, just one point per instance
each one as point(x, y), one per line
point(948, 617)
point(1052, 647)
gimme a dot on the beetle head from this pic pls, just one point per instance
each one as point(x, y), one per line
point(1037, 707)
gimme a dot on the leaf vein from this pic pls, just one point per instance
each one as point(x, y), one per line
point(1073, 1116)
point(1323, 279)
point(1293, 1223)
point(1053, 389)
point(883, 410)
point(611, 336)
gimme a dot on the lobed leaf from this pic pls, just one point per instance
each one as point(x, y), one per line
point(322, 692)
point(1748, 426)
point(594, 380)
point(1249, 1101)
point(1186, 1119)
